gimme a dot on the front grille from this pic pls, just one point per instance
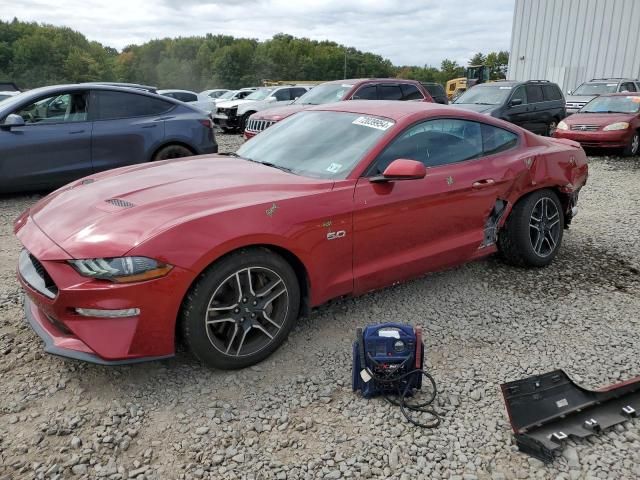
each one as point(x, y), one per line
point(118, 202)
point(36, 276)
point(585, 128)
point(256, 126)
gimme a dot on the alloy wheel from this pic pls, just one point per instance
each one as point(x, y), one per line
point(635, 144)
point(552, 128)
point(544, 227)
point(246, 311)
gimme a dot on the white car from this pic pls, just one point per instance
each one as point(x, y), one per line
point(233, 114)
point(212, 94)
point(192, 98)
point(7, 94)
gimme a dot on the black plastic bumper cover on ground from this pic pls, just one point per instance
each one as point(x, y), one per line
point(548, 409)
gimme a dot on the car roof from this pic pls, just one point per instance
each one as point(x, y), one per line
point(357, 81)
point(175, 90)
point(611, 80)
point(53, 89)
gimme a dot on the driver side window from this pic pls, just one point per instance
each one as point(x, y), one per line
point(434, 142)
point(519, 94)
point(68, 107)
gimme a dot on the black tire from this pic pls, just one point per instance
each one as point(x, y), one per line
point(172, 151)
point(229, 277)
point(244, 120)
point(519, 241)
point(225, 129)
point(633, 147)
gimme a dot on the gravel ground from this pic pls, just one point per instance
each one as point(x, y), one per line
point(294, 415)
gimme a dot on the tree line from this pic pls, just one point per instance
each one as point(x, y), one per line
point(34, 55)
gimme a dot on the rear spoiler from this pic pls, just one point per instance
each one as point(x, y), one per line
point(546, 410)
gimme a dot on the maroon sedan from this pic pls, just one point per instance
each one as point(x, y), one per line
point(338, 90)
point(607, 121)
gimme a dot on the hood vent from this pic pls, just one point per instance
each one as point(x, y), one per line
point(118, 202)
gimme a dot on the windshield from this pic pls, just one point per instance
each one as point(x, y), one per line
point(317, 144)
point(617, 104)
point(485, 95)
point(228, 95)
point(259, 94)
point(322, 94)
point(595, 89)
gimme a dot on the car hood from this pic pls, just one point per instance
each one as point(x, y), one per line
point(278, 113)
point(580, 98)
point(232, 103)
point(600, 119)
point(110, 213)
point(474, 107)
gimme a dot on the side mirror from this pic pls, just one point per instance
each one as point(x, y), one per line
point(11, 121)
point(569, 92)
point(515, 102)
point(401, 169)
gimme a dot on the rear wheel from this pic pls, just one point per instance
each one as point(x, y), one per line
point(633, 146)
point(533, 232)
point(172, 151)
point(551, 128)
point(241, 309)
point(244, 120)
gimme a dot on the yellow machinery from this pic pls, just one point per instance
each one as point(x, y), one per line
point(476, 74)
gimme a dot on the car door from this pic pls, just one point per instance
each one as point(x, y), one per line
point(53, 146)
point(405, 228)
point(128, 127)
point(516, 109)
point(539, 114)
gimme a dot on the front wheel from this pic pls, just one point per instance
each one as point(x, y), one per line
point(533, 232)
point(551, 128)
point(633, 146)
point(241, 309)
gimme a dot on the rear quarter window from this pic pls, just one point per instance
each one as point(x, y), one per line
point(113, 105)
point(551, 92)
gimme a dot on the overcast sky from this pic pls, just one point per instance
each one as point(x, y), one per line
point(414, 32)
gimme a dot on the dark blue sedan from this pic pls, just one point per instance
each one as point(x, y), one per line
point(53, 135)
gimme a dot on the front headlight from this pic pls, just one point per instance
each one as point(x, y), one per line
point(122, 269)
point(562, 126)
point(616, 126)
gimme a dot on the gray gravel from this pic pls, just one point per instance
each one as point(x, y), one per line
point(294, 415)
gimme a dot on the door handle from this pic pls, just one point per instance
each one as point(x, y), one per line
point(76, 131)
point(487, 182)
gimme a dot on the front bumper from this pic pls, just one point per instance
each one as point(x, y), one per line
point(50, 307)
point(597, 139)
point(224, 120)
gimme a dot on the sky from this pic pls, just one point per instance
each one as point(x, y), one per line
point(417, 32)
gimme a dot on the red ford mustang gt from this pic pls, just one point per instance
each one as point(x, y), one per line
point(337, 200)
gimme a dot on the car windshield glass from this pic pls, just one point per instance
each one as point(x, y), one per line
point(485, 95)
point(228, 95)
point(322, 94)
point(617, 104)
point(595, 88)
point(259, 94)
point(317, 144)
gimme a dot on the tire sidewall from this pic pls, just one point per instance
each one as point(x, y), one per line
point(628, 151)
point(194, 327)
point(163, 151)
point(522, 233)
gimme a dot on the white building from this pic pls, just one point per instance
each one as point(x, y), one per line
point(570, 41)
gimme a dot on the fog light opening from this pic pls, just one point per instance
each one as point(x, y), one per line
point(95, 312)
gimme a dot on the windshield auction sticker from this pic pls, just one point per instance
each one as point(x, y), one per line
point(373, 122)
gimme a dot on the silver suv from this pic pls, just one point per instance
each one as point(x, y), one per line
point(586, 92)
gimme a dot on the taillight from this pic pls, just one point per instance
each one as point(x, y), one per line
point(207, 123)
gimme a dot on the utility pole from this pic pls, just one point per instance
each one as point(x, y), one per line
point(345, 63)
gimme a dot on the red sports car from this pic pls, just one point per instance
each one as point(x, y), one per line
point(607, 121)
point(337, 200)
